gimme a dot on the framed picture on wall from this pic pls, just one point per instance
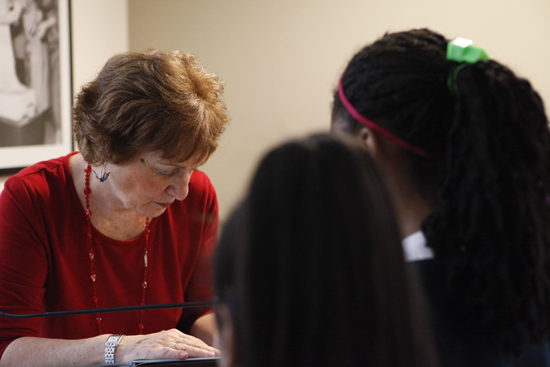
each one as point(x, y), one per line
point(35, 81)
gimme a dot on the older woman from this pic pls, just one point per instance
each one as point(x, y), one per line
point(128, 220)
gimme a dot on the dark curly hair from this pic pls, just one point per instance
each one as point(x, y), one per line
point(490, 229)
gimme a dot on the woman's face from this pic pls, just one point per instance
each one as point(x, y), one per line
point(149, 184)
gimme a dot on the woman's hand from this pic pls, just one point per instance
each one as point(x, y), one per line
point(162, 345)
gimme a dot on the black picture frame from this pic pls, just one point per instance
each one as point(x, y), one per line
point(35, 82)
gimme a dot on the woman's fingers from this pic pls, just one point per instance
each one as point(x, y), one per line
point(176, 352)
point(170, 344)
point(198, 348)
point(195, 352)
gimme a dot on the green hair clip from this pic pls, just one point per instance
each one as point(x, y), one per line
point(465, 52)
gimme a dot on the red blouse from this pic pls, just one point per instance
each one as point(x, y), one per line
point(44, 262)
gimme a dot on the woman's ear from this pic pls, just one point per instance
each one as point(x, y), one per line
point(226, 337)
point(371, 141)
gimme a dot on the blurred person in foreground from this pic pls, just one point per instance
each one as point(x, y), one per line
point(309, 270)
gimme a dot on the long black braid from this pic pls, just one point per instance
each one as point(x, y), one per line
point(490, 230)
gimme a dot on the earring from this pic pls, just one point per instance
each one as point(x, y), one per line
point(104, 175)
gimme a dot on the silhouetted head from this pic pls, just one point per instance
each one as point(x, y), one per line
point(317, 272)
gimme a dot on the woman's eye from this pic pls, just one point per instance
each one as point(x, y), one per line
point(165, 172)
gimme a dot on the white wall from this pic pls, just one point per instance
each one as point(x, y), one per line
point(99, 30)
point(281, 59)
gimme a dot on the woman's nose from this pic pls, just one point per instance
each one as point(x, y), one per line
point(180, 186)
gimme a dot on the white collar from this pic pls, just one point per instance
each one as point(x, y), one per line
point(415, 249)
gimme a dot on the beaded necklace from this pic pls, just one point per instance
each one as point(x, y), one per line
point(87, 192)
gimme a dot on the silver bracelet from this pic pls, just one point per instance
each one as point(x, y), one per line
point(110, 346)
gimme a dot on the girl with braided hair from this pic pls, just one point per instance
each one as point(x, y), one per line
point(465, 147)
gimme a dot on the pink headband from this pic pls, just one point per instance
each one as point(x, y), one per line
point(379, 129)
